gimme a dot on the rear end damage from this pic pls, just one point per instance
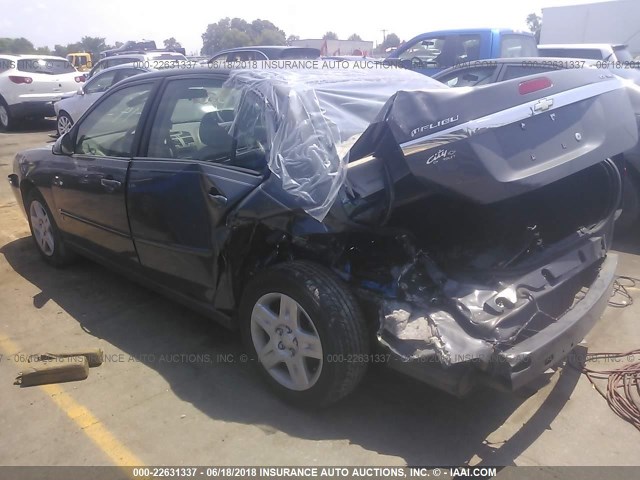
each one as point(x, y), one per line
point(486, 259)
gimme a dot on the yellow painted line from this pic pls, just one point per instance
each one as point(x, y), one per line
point(90, 425)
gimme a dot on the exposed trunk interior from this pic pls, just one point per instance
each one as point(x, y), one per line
point(462, 236)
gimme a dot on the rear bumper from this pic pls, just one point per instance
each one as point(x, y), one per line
point(519, 365)
point(32, 109)
point(525, 361)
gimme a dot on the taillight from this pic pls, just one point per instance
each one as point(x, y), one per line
point(534, 85)
point(80, 79)
point(16, 79)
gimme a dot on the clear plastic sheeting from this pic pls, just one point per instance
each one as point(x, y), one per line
point(319, 115)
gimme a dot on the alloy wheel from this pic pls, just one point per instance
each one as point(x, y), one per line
point(286, 341)
point(41, 226)
point(64, 124)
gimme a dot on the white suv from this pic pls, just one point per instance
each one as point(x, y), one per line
point(30, 84)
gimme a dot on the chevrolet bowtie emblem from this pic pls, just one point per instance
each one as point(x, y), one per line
point(542, 105)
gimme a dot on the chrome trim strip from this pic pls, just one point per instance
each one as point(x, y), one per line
point(508, 116)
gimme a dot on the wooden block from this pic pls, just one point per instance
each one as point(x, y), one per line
point(94, 357)
point(59, 370)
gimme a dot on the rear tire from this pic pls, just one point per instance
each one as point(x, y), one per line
point(45, 232)
point(307, 332)
point(6, 119)
point(630, 204)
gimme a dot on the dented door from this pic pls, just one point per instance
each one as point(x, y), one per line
point(175, 209)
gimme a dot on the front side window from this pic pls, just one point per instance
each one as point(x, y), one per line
point(202, 119)
point(109, 129)
point(100, 83)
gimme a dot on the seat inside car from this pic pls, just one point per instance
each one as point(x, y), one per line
point(218, 143)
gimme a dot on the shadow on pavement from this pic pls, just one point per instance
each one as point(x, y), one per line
point(389, 414)
point(34, 126)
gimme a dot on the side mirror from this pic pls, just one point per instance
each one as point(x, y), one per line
point(80, 91)
point(63, 145)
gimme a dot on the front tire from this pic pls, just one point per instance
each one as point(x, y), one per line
point(45, 232)
point(63, 123)
point(307, 332)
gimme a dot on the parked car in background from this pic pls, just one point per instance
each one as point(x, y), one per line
point(30, 84)
point(431, 52)
point(151, 59)
point(70, 109)
point(81, 61)
point(593, 51)
point(130, 46)
point(277, 52)
point(499, 70)
point(339, 217)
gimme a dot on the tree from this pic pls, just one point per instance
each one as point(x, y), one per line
point(330, 36)
point(534, 22)
point(390, 41)
point(171, 43)
point(16, 45)
point(236, 32)
point(93, 45)
point(292, 38)
point(355, 38)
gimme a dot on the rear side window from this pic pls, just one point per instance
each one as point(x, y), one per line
point(517, 71)
point(623, 54)
point(6, 64)
point(469, 77)
point(45, 65)
point(300, 54)
point(590, 53)
point(202, 119)
point(168, 56)
point(442, 52)
point(518, 46)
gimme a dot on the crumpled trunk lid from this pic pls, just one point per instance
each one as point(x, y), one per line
point(493, 142)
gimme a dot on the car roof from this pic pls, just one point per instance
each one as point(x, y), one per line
point(123, 66)
point(264, 49)
point(524, 61)
point(583, 46)
point(19, 56)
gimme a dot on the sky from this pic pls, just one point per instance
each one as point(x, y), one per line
point(49, 22)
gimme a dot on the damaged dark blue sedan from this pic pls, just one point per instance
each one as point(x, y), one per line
point(343, 216)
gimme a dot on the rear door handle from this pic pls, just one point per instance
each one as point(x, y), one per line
point(110, 183)
point(214, 194)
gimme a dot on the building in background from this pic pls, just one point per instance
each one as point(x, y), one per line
point(337, 47)
point(613, 22)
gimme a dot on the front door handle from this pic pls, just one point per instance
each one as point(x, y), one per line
point(110, 183)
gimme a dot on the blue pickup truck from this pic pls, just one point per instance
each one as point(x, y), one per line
point(432, 52)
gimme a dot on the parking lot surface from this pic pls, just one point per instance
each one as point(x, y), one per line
point(174, 389)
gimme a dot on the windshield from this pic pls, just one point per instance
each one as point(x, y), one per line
point(49, 66)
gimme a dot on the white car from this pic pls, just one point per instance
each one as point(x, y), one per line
point(30, 84)
point(156, 59)
point(72, 107)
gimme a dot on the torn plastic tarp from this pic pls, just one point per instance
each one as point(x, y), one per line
point(320, 114)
